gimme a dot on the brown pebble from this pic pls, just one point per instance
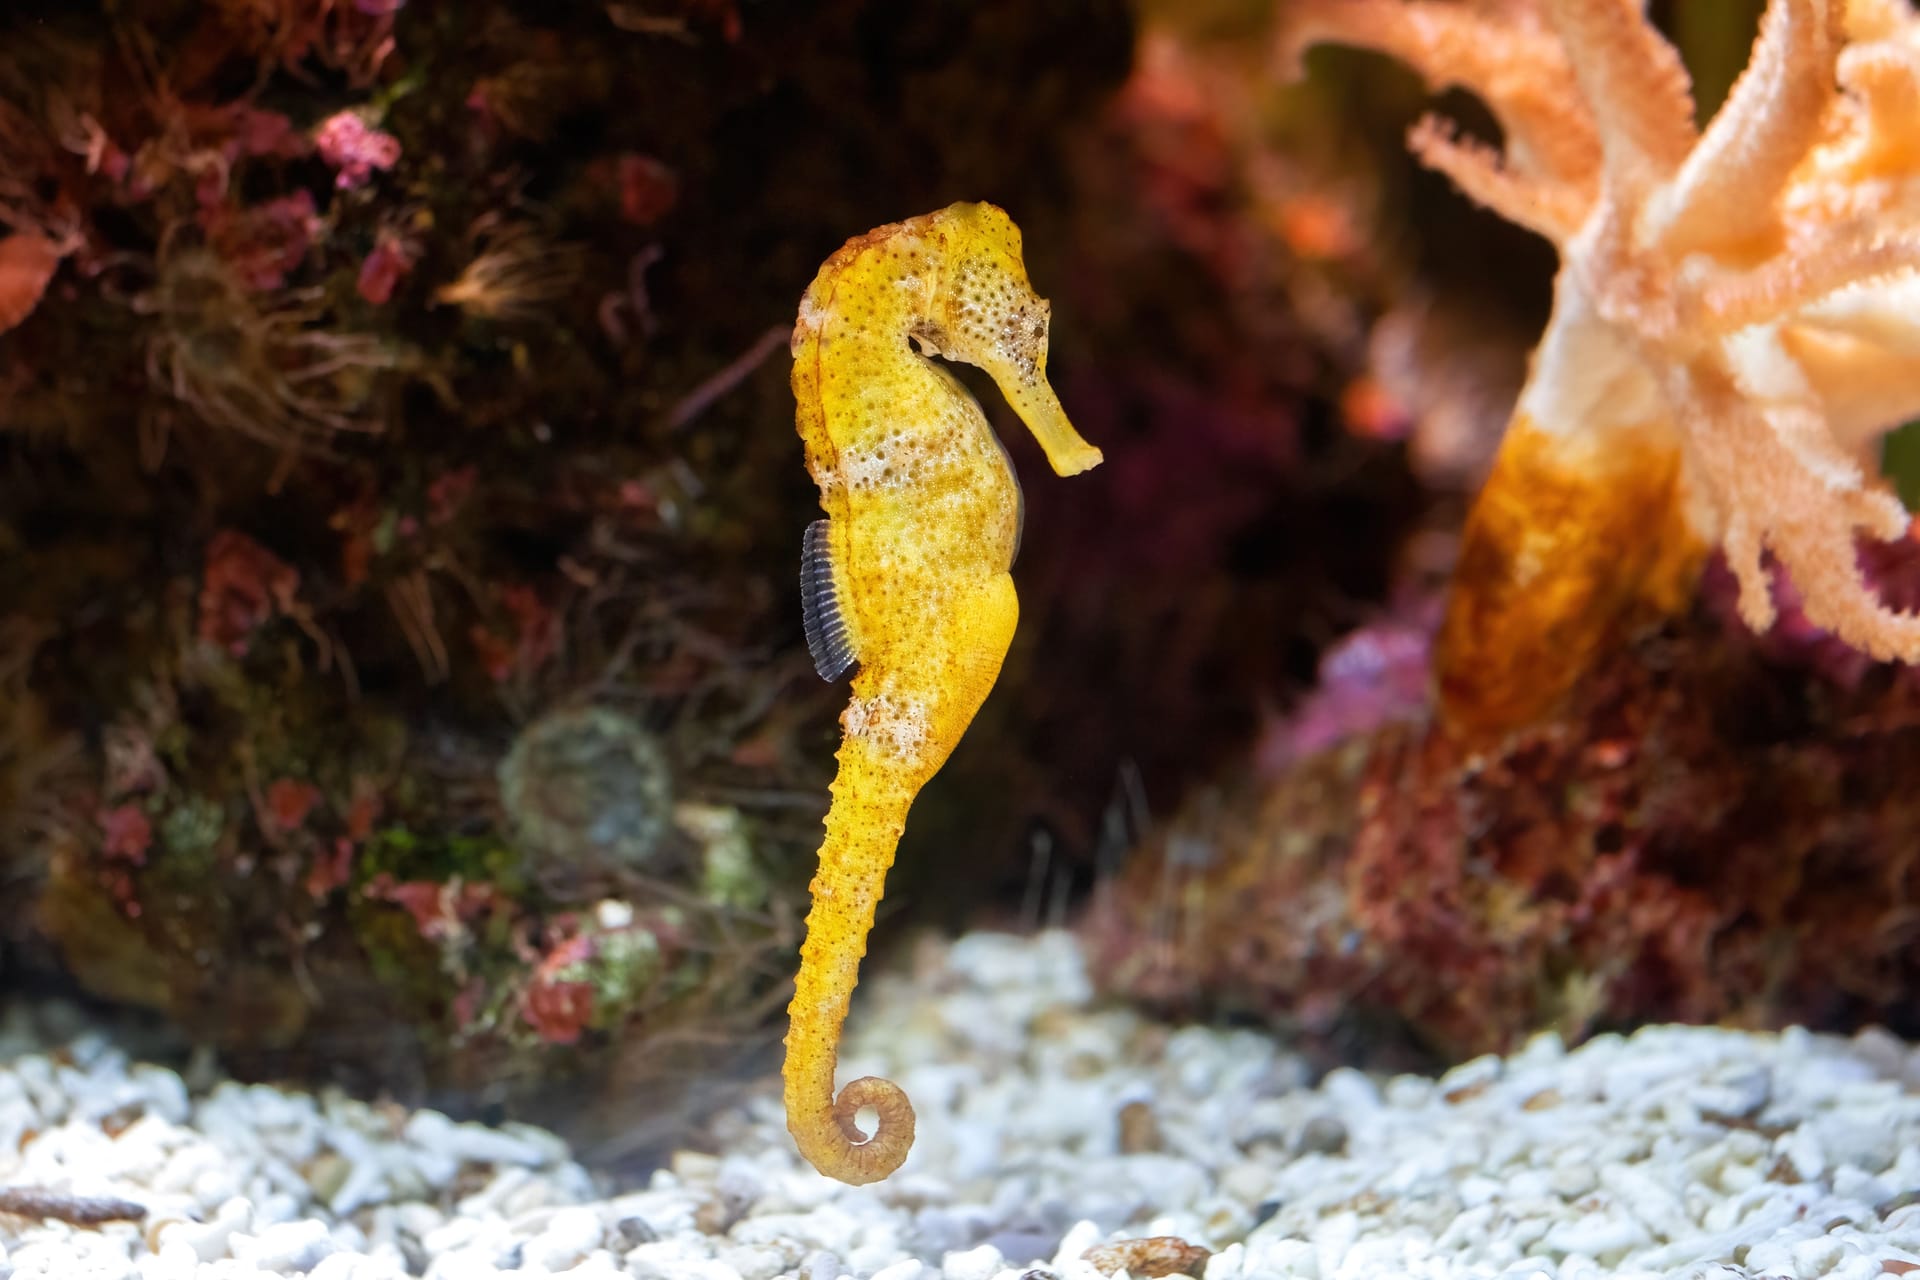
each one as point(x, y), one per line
point(717, 1216)
point(1139, 1129)
point(115, 1123)
point(82, 1211)
point(1900, 1201)
point(1151, 1256)
point(1323, 1134)
point(1467, 1092)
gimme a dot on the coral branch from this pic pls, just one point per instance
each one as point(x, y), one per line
point(1794, 281)
point(1538, 205)
point(1785, 486)
point(1634, 85)
point(1518, 69)
point(1729, 189)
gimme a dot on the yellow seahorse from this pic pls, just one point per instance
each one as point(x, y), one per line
point(908, 577)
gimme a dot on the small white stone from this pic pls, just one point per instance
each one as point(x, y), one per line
point(1350, 1091)
point(1738, 1091)
point(286, 1247)
point(174, 1263)
point(471, 1142)
point(1858, 1138)
point(1409, 1091)
point(675, 1260)
point(1082, 1236)
point(462, 1264)
point(972, 1264)
point(1821, 1255)
point(341, 1266)
point(1802, 1147)
point(1598, 1235)
point(570, 1234)
point(207, 1240)
point(756, 1262)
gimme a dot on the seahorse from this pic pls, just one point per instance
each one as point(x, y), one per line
point(907, 577)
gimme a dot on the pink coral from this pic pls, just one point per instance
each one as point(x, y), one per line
point(440, 910)
point(355, 149)
point(558, 1010)
point(390, 262)
point(263, 244)
point(289, 801)
point(537, 635)
point(243, 586)
point(1371, 678)
point(448, 493)
point(126, 834)
point(648, 189)
point(557, 1003)
point(330, 871)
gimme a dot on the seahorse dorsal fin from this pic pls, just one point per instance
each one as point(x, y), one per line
point(827, 637)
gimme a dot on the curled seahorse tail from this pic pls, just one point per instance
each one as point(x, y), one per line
point(851, 1155)
point(831, 1138)
point(869, 811)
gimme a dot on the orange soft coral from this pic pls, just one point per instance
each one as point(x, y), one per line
point(1736, 319)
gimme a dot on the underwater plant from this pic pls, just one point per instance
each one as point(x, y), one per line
point(515, 276)
point(273, 371)
point(1736, 320)
point(906, 576)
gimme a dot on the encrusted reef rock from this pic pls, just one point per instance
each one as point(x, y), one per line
point(1717, 828)
point(401, 677)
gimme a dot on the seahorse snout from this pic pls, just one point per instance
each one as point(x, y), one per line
point(1033, 399)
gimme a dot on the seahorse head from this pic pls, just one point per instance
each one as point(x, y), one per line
point(984, 311)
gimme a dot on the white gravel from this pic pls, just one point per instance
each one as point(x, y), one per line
point(1048, 1124)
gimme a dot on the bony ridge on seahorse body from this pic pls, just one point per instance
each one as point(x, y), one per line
point(907, 576)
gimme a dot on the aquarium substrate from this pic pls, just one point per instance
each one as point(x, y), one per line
point(1050, 1124)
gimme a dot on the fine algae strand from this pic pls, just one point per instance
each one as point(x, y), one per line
point(907, 579)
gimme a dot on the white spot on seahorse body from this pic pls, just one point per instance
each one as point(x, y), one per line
point(898, 727)
point(812, 316)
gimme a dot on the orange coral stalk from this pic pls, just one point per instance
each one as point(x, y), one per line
point(1552, 553)
point(1736, 321)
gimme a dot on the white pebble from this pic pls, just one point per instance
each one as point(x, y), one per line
point(286, 1247)
point(570, 1235)
point(972, 1264)
point(1666, 1154)
point(471, 1142)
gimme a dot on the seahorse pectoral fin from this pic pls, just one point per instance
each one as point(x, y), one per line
point(1033, 399)
point(828, 639)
